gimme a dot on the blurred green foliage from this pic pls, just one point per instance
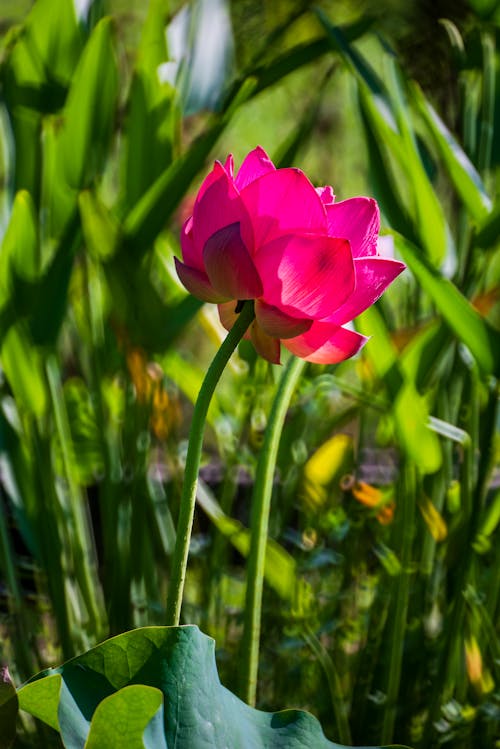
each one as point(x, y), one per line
point(383, 586)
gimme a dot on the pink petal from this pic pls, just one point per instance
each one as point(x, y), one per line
point(229, 166)
point(197, 283)
point(228, 316)
point(325, 343)
point(217, 206)
point(210, 179)
point(256, 164)
point(283, 201)
point(358, 220)
point(326, 194)
point(265, 345)
point(306, 275)
point(229, 266)
point(189, 254)
point(373, 276)
point(278, 324)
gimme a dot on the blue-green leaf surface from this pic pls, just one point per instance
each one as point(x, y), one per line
point(199, 713)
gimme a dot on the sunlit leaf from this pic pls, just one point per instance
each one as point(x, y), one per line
point(151, 127)
point(180, 662)
point(100, 228)
point(288, 150)
point(431, 224)
point(23, 367)
point(425, 355)
point(90, 108)
point(54, 38)
point(409, 408)
point(85, 437)
point(455, 38)
point(20, 253)
point(58, 203)
point(41, 699)
point(44, 56)
point(304, 53)
point(124, 718)
point(26, 132)
point(387, 115)
point(385, 184)
point(459, 314)
point(462, 172)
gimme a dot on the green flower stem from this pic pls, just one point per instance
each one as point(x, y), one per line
point(188, 498)
point(261, 503)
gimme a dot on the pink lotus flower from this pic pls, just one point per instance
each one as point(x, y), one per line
point(310, 264)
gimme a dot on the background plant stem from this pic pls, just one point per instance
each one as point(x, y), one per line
point(188, 497)
point(261, 503)
point(400, 612)
point(340, 708)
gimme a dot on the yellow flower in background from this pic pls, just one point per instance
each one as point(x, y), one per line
point(327, 463)
point(147, 378)
point(372, 497)
point(433, 519)
point(137, 365)
point(479, 677)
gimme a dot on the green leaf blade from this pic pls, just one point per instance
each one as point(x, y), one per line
point(462, 172)
point(23, 367)
point(90, 108)
point(40, 698)
point(410, 411)
point(386, 115)
point(121, 719)
point(177, 663)
point(20, 255)
point(459, 314)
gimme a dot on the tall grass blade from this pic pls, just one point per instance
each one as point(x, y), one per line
point(459, 314)
point(462, 172)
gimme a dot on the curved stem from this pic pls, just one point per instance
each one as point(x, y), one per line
point(261, 503)
point(188, 498)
